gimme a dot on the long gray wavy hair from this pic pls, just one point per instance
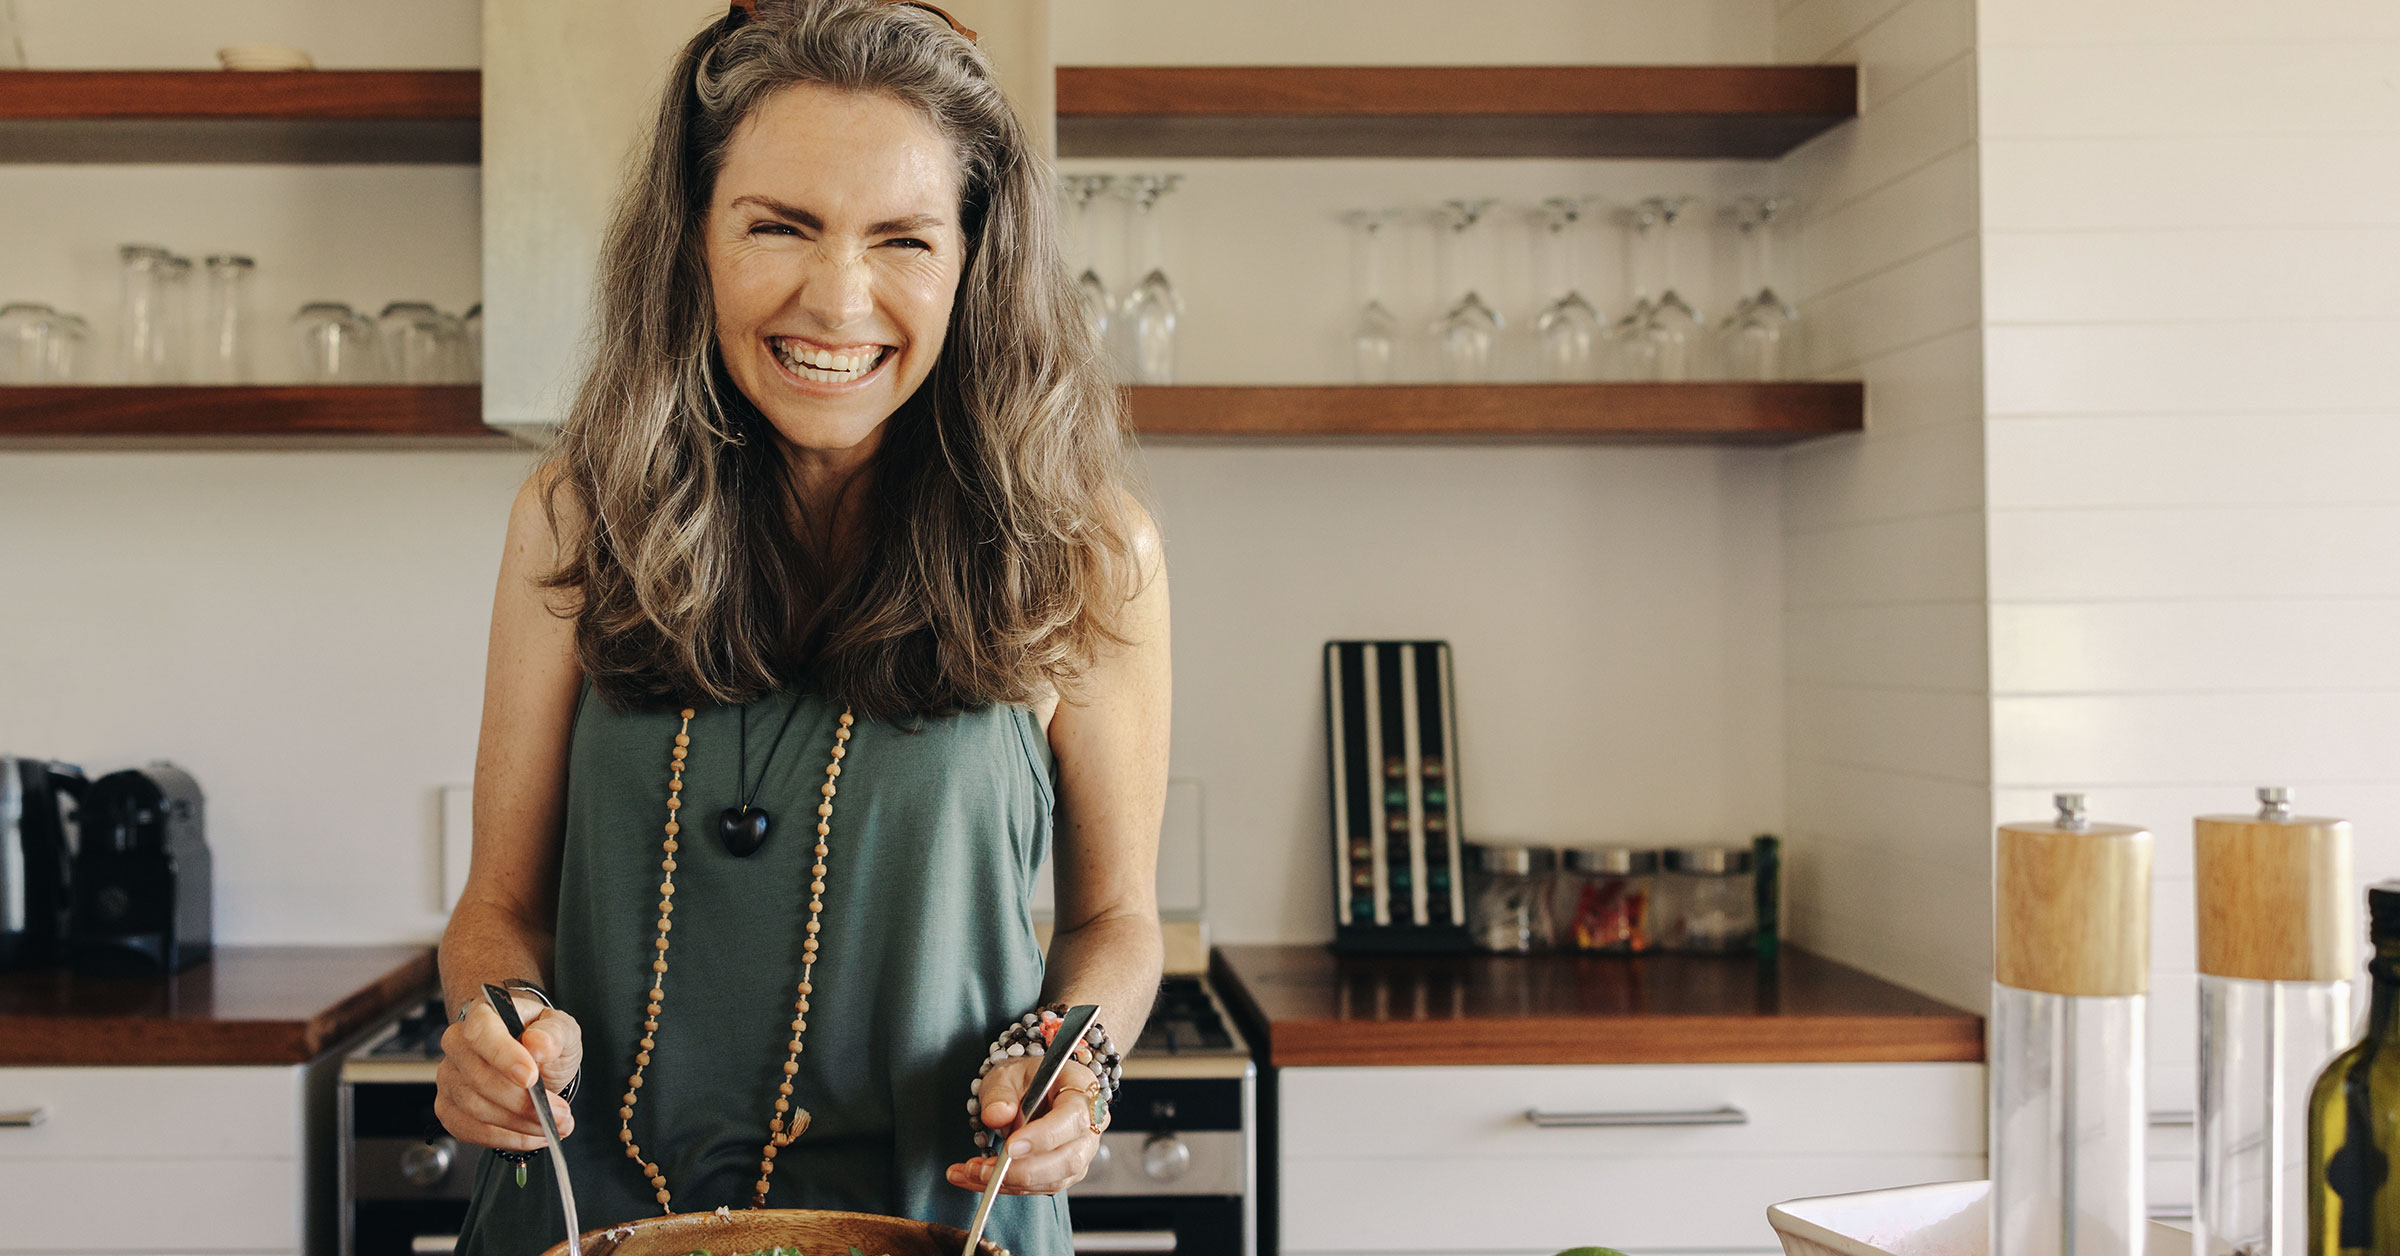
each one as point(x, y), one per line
point(998, 554)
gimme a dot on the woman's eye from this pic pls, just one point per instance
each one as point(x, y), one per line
point(911, 242)
point(773, 228)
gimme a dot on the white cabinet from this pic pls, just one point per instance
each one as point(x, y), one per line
point(1646, 1158)
point(155, 1160)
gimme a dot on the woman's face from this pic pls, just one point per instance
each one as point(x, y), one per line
point(834, 252)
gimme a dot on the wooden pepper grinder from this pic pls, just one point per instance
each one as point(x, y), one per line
point(2278, 928)
point(2070, 1095)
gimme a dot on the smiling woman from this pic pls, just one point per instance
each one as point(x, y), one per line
point(833, 254)
point(845, 466)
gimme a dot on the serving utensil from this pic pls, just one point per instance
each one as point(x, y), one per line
point(506, 1006)
point(1071, 1029)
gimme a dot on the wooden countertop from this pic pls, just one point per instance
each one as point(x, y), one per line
point(247, 1005)
point(1320, 1009)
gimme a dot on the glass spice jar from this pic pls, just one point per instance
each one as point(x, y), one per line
point(1710, 899)
point(1510, 910)
point(1604, 898)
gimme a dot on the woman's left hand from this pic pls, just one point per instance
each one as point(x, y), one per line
point(1054, 1152)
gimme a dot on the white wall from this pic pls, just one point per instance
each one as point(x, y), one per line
point(1887, 750)
point(2189, 347)
point(306, 630)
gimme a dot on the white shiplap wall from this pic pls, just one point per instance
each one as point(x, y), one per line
point(2192, 218)
point(1888, 775)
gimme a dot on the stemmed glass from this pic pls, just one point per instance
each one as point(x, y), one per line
point(1674, 326)
point(1151, 309)
point(1760, 337)
point(1631, 355)
point(1469, 324)
point(1569, 328)
point(1091, 291)
point(1374, 333)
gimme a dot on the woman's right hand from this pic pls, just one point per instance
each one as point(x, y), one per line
point(479, 1090)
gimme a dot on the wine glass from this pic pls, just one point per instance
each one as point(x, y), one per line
point(1674, 328)
point(1631, 355)
point(1469, 324)
point(1568, 327)
point(1374, 333)
point(1091, 291)
point(1151, 309)
point(1760, 337)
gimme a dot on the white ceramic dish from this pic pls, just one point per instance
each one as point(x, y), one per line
point(1941, 1219)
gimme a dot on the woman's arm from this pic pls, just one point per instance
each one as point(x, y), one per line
point(501, 928)
point(1110, 738)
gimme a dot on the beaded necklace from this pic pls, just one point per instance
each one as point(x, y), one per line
point(779, 1135)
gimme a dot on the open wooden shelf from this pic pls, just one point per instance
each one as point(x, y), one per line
point(1449, 111)
point(1692, 414)
point(1705, 413)
point(433, 116)
point(277, 116)
point(173, 412)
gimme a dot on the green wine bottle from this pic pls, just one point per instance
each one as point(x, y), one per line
point(2354, 1113)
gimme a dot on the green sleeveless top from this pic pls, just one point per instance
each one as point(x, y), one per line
point(939, 825)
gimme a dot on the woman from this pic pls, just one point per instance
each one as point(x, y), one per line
point(829, 600)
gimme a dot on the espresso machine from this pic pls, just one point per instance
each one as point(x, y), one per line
point(141, 876)
point(39, 802)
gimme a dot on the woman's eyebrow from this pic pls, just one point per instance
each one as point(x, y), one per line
point(801, 217)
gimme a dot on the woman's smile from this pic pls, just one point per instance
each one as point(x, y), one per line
point(814, 368)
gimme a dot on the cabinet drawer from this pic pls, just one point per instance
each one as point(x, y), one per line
point(151, 1113)
point(1644, 1111)
point(134, 1205)
point(1539, 1207)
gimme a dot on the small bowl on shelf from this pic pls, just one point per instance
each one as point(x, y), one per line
point(265, 57)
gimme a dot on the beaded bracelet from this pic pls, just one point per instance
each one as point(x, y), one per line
point(1031, 1035)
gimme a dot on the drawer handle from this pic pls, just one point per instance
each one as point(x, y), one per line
point(23, 1118)
point(433, 1244)
point(2171, 1120)
point(1634, 1120)
point(1125, 1242)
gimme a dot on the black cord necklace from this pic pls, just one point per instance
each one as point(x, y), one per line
point(743, 829)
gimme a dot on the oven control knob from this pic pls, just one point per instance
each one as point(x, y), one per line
point(1165, 1157)
point(428, 1163)
point(1099, 1160)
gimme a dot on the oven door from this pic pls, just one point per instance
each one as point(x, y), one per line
point(404, 1181)
point(1123, 1225)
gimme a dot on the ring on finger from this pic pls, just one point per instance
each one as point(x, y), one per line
point(1096, 1108)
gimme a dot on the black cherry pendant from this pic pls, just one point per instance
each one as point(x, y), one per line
point(743, 830)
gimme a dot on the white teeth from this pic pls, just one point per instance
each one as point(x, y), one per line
point(826, 365)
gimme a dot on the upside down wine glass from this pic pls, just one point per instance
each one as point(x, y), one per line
point(1374, 333)
point(1468, 324)
point(1761, 335)
point(1674, 327)
point(1151, 309)
point(1091, 291)
point(1631, 355)
point(1568, 326)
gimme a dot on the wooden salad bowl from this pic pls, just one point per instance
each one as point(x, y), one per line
point(762, 1229)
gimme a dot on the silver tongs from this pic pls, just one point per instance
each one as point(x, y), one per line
point(507, 1007)
point(1071, 1029)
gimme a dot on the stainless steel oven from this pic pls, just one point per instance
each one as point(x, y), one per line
point(403, 1179)
point(1178, 1168)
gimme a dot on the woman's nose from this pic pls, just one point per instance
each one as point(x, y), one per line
point(837, 292)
